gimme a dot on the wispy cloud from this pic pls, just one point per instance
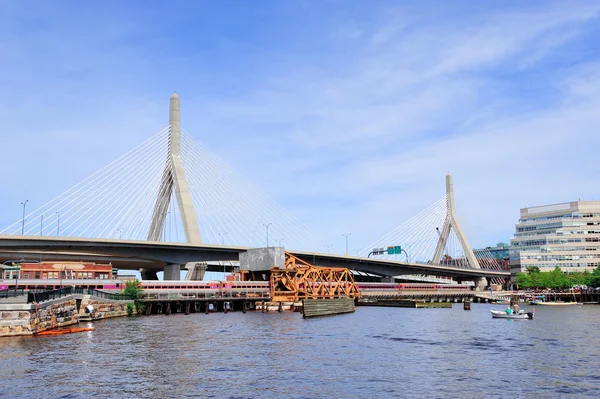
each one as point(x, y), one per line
point(349, 116)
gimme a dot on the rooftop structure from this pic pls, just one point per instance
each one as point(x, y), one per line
point(55, 270)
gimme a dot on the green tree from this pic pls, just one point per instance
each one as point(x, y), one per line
point(523, 280)
point(595, 278)
point(556, 279)
point(133, 288)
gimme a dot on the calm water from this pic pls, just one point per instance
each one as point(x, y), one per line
point(373, 353)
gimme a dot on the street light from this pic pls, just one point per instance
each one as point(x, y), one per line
point(58, 224)
point(279, 242)
point(42, 226)
point(223, 237)
point(346, 235)
point(23, 221)
point(267, 226)
point(328, 246)
point(120, 232)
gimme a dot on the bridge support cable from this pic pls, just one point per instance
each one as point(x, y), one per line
point(434, 236)
point(417, 236)
point(103, 199)
point(167, 184)
point(107, 205)
point(248, 206)
point(227, 203)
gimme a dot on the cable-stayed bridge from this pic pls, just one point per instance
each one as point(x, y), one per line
point(170, 201)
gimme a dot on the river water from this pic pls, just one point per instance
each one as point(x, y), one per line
point(372, 353)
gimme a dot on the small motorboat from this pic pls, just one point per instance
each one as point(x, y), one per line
point(502, 314)
point(60, 331)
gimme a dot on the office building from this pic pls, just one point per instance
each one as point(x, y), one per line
point(566, 235)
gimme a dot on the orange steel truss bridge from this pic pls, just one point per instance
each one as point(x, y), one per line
point(301, 280)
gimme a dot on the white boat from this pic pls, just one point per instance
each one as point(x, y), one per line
point(501, 314)
point(542, 303)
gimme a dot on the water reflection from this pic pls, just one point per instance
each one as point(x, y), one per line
point(375, 352)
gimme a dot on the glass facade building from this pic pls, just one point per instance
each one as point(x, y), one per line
point(566, 235)
point(499, 252)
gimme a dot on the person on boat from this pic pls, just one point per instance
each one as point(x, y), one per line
point(516, 309)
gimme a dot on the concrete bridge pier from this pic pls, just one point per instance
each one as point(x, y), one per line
point(172, 272)
point(480, 283)
point(195, 271)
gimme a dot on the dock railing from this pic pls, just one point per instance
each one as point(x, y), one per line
point(62, 292)
point(11, 293)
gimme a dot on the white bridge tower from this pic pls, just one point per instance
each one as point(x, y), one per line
point(451, 222)
point(174, 175)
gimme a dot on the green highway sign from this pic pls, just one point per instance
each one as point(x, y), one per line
point(394, 250)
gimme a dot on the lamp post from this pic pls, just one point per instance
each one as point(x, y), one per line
point(58, 224)
point(42, 225)
point(223, 237)
point(120, 232)
point(267, 227)
point(279, 242)
point(346, 235)
point(23, 220)
point(328, 246)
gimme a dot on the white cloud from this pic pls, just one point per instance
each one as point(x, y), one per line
point(357, 138)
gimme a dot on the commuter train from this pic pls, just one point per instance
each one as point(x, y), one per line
point(154, 289)
point(205, 288)
point(389, 287)
point(54, 284)
point(150, 287)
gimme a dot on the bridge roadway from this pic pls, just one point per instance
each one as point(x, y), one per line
point(151, 255)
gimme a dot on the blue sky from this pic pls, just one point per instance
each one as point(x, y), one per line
point(348, 113)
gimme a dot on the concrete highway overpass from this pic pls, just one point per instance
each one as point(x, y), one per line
point(149, 255)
